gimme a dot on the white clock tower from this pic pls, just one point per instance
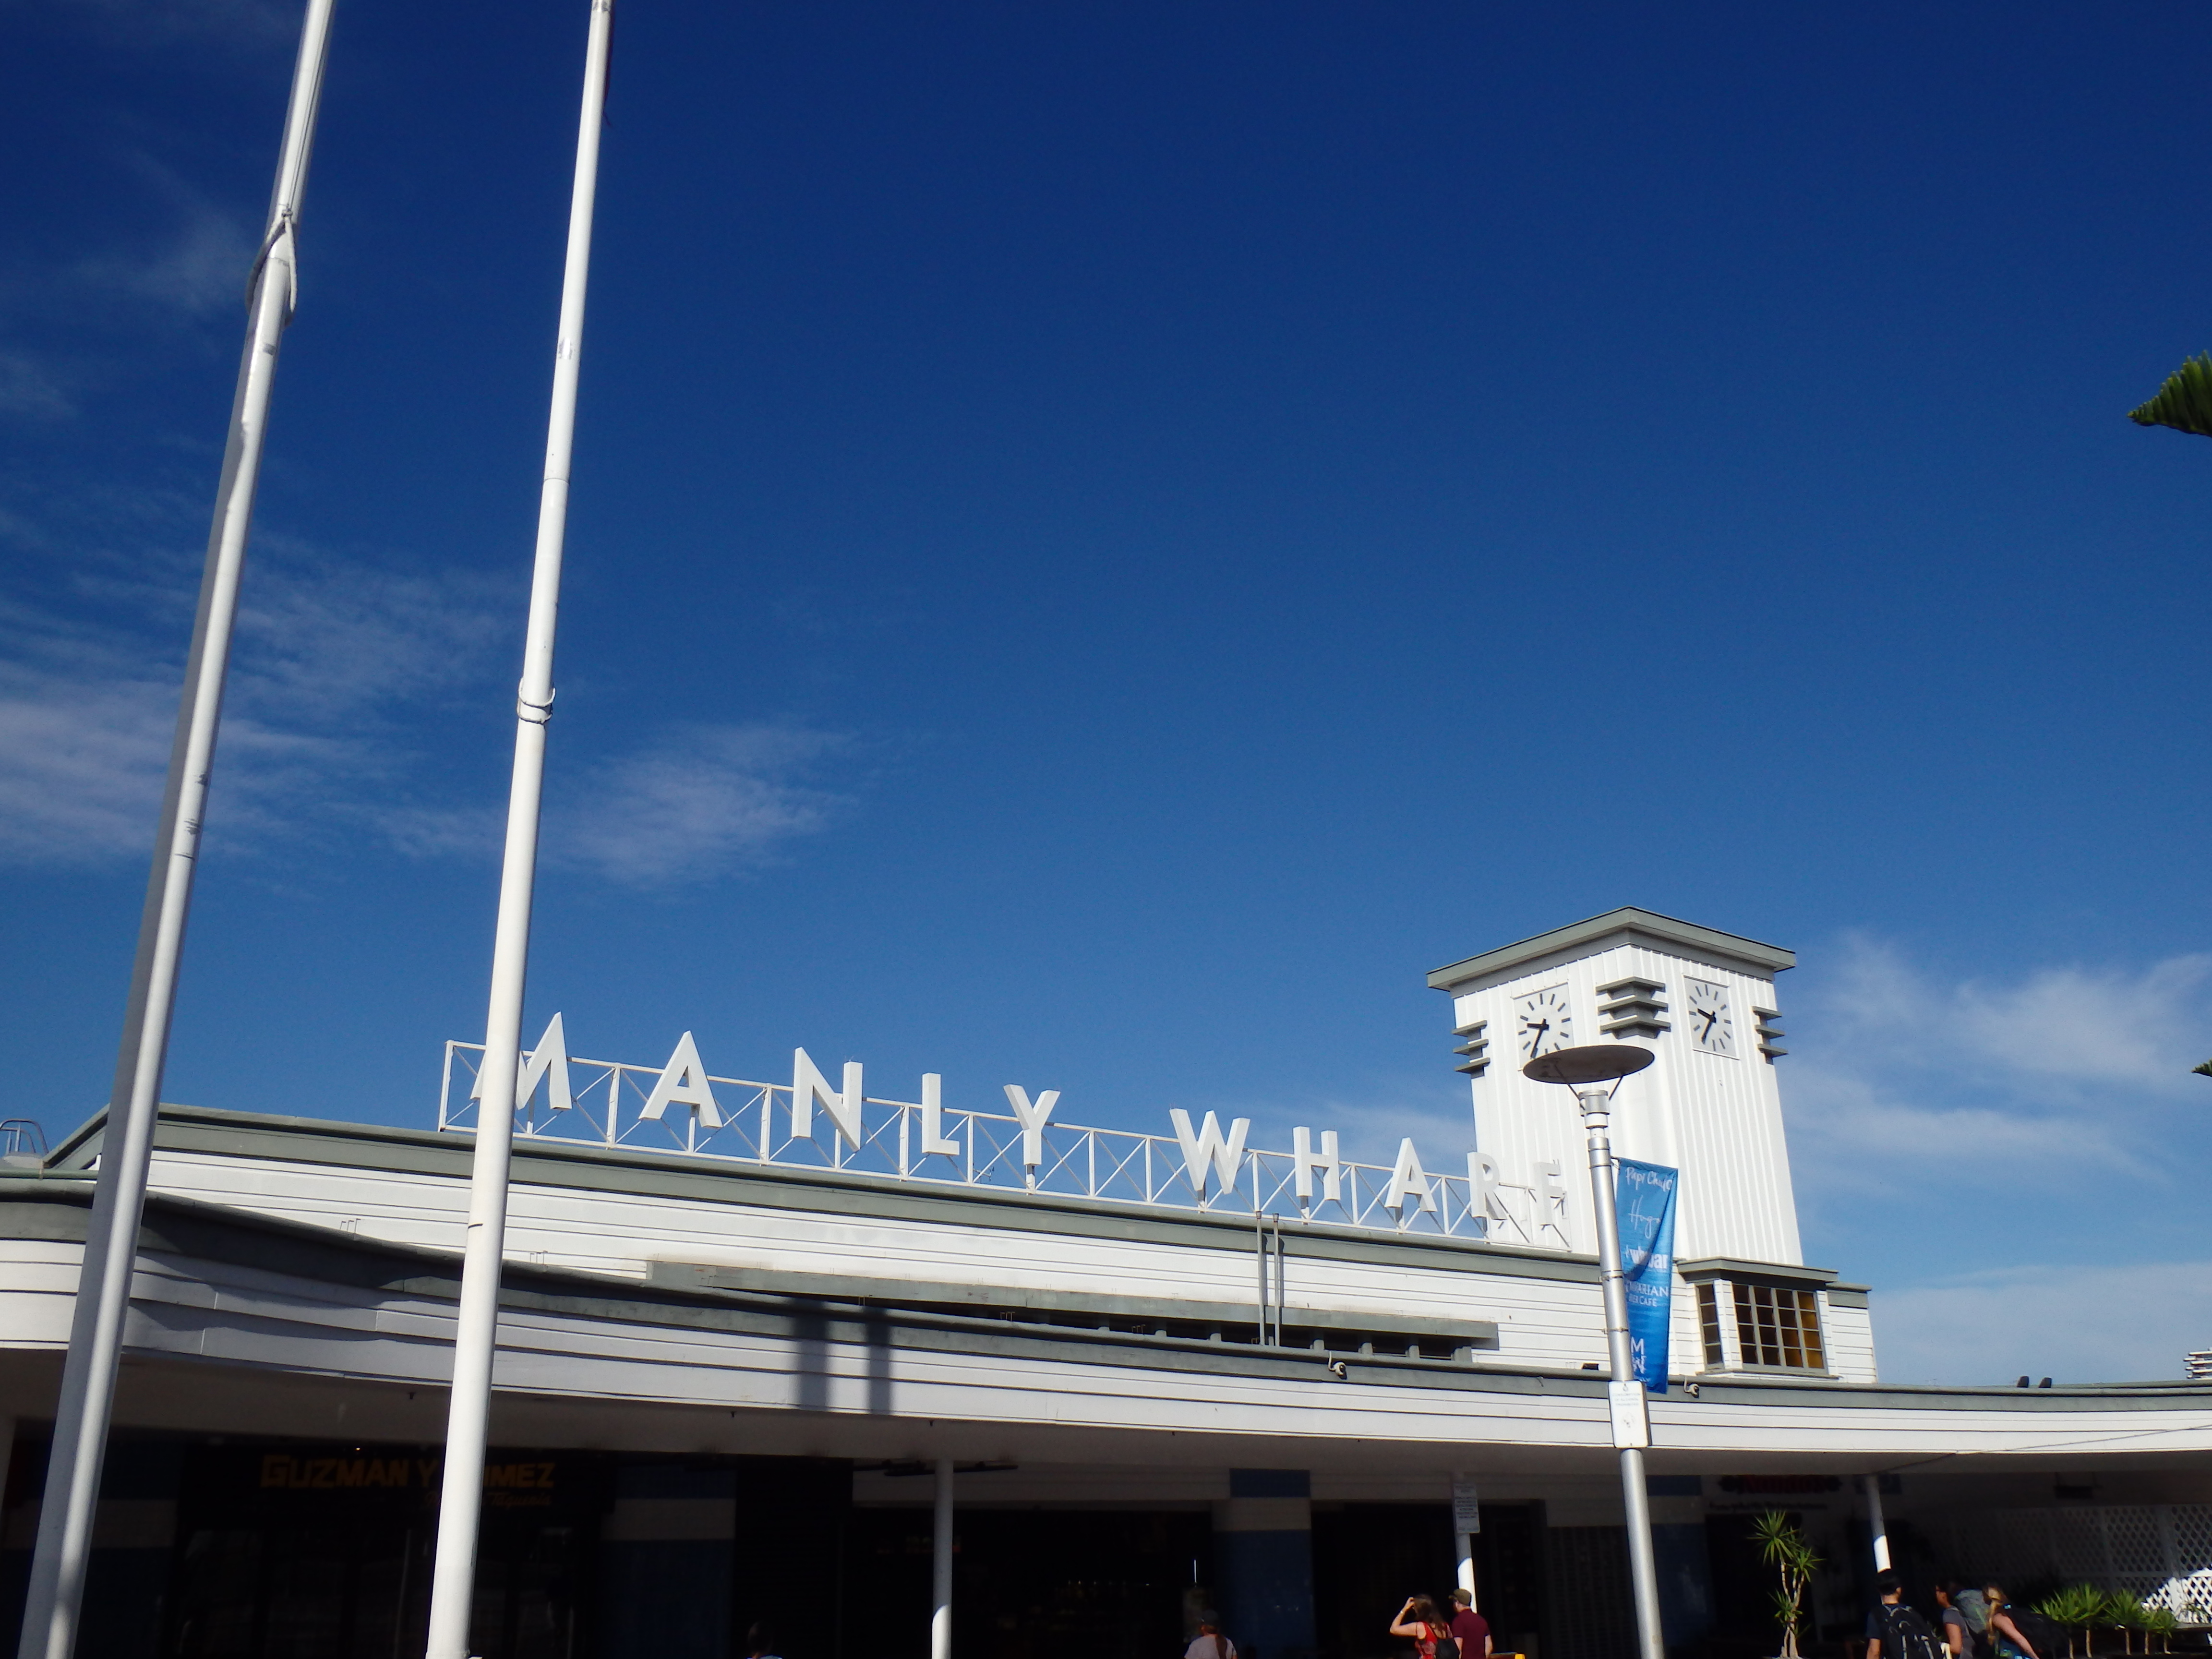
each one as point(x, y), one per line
point(1703, 1002)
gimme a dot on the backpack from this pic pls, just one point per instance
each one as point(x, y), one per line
point(1448, 1646)
point(2046, 1635)
point(1905, 1635)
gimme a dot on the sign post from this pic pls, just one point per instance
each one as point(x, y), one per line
point(1467, 1520)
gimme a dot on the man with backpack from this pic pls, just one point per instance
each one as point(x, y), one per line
point(1895, 1631)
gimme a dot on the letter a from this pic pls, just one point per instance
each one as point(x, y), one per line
point(1408, 1180)
point(684, 1082)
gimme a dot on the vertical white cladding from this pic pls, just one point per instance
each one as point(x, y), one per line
point(1715, 1117)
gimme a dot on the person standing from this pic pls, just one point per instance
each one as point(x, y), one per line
point(1469, 1628)
point(1210, 1643)
point(2004, 1635)
point(1969, 1600)
point(1419, 1619)
point(1957, 1634)
point(1894, 1630)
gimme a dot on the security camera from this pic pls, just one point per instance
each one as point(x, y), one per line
point(1339, 1370)
point(1691, 1389)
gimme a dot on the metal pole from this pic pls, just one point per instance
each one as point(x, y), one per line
point(476, 1326)
point(1467, 1520)
point(54, 1596)
point(1631, 1423)
point(940, 1568)
point(1872, 1485)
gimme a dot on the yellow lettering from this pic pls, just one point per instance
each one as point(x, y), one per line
point(349, 1473)
point(428, 1467)
point(276, 1470)
point(546, 1476)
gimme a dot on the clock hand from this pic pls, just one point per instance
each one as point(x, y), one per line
point(1710, 1016)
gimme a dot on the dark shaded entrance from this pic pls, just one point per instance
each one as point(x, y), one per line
point(1369, 1558)
point(1743, 1590)
point(323, 1552)
point(1027, 1584)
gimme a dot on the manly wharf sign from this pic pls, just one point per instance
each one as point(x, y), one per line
point(810, 1124)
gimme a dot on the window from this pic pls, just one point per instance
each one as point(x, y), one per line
point(1780, 1327)
point(1709, 1325)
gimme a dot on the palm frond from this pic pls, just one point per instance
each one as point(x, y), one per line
point(2185, 402)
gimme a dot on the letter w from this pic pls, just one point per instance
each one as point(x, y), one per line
point(1208, 1150)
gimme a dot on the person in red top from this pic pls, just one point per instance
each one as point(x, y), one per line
point(1469, 1628)
point(1419, 1619)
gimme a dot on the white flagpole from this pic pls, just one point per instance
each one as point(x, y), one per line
point(476, 1331)
point(56, 1594)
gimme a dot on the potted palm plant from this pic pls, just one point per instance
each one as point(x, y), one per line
point(2161, 1624)
point(2126, 1612)
point(1785, 1549)
point(2079, 1607)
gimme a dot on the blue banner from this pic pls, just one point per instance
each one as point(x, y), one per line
point(1644, 1194)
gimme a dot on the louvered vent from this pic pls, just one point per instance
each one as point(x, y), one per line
point(1476, 1049)
point(1769, 1033)
point(1632, 1008)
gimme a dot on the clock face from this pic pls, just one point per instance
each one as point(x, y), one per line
point(1545, 1022)
point(1710, 1026)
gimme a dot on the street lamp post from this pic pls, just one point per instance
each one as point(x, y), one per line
point(1594, 1071)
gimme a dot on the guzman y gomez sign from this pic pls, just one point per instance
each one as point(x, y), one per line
point(817, 1122)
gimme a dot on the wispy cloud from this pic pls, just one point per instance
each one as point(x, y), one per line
point(171, 274)
point(333, 660)
point(31, 389)
point(345, 677)
point(1369, 1132)
point(197, 262)
point(702, 801)
point(2028, 1080)
point(2075, 1324)
point(326, 642)
point(137, 27)
point(80, 764)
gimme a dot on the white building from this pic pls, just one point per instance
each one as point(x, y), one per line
point(740, 1316)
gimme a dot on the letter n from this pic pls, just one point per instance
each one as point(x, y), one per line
point(809, 1088)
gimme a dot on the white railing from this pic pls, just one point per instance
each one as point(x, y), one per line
point(1112, 1165)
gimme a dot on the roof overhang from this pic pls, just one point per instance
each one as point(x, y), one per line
point(1626, 926)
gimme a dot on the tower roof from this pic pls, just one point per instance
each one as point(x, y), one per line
point(1619, 927)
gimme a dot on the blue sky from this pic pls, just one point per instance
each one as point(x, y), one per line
point(1110, 540)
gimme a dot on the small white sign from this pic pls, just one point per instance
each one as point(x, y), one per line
point(1467, 1508)
point(1632, 1421)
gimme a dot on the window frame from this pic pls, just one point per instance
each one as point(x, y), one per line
point(1779, 1329)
